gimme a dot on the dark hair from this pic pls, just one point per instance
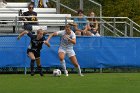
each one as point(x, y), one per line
point(68, 26)
point(30, 4)
point(80, 11)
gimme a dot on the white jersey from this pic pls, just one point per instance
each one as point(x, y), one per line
point(65, 43)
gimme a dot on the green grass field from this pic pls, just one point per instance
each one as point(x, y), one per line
point(90, 83)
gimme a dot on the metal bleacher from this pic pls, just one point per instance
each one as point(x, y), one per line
point(9, 16)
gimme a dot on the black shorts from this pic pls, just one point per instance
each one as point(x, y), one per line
point(36, 53)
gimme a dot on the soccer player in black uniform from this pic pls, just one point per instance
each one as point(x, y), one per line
point(34, 48)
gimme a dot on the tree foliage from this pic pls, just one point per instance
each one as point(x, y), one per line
point(124, 8)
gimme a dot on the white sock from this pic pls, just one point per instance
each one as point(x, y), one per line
point(79, 69)
point(63, 64)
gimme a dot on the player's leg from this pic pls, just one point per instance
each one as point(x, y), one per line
point(32, 57)
point(39, 66)
point(38, 62)
point(74, 61)
point(61, 53)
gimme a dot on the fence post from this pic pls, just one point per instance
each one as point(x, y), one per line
point(125, 29)
point(101, 24)
point(16, 25)
point(131, 29)
point(101, 70)
point(81, 4)
point(25, 59)
point(58, 6)
point(114, 26)
point(65, 20)
point(103, 30)
point(25, 70)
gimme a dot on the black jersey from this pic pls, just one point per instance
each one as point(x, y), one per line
point(35, 45)
point(34, 18)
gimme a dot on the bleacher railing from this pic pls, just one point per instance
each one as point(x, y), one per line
point(97, 8)
point(111, 26)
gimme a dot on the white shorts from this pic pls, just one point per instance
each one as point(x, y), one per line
point(68, 52)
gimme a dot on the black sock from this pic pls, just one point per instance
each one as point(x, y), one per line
point(32, 65)
point(40, 70)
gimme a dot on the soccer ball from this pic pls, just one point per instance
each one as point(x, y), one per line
point(57, 72)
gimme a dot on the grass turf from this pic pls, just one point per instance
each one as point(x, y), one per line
point(90, 83)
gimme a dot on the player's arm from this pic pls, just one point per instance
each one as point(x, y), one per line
point(73, 40)
point(22, 34)
point(45, 32)
point(49, 37)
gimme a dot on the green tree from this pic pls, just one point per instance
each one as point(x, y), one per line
point(124, 8)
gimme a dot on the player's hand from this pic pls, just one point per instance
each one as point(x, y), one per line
point(67, 37)
point(47, 43)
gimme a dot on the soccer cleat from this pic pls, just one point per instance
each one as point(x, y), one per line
point(32, 74)
point(41, 73)
point(40, 70)
point(81, 75)
point(66, 73)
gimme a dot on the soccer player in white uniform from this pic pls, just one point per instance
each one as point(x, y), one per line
point(66, 48)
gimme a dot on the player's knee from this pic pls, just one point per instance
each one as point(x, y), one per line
point(61, 58)
point(33, 59)
point(76, 65)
